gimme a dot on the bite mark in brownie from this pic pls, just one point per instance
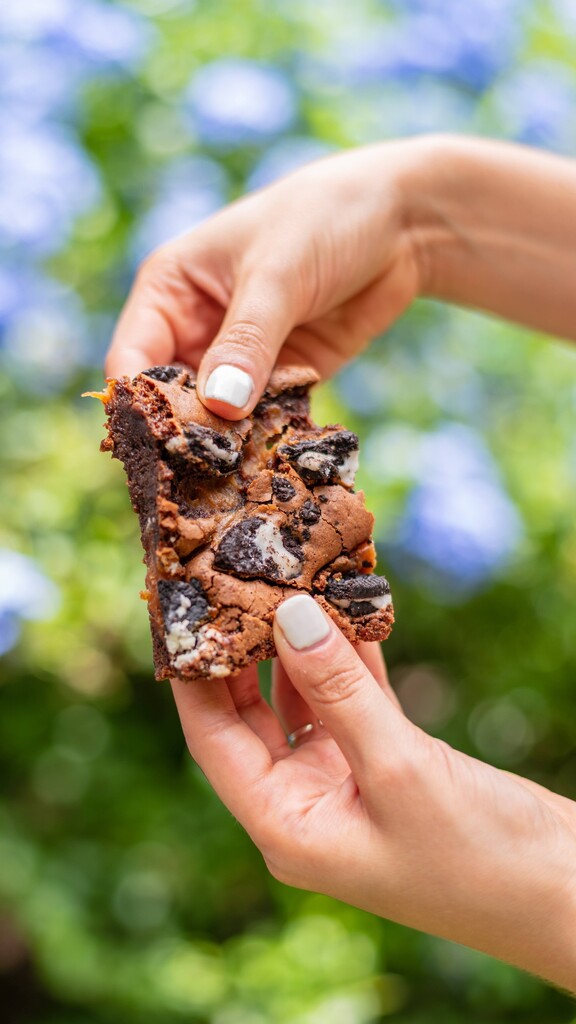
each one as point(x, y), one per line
point(236, 517)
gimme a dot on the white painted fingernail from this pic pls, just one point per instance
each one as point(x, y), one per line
point(302, 622)
point(229, 384)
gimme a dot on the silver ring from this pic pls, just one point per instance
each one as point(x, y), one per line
point(300, 733)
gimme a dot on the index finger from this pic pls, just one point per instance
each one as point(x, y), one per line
point(172, 312)
point(143, 337)
point(235, 761)
point(145, 333)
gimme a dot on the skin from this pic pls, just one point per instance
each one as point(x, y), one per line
point(368, 808)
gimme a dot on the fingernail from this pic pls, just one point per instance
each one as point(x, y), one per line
point(302, 622)
point(229, 384)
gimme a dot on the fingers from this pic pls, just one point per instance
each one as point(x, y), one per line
point(292, 709)
point(172, 313)
point(373, 658)
point(144, 335)
point(336, 685)
point(169, 316)
point(234, 759)
point(236, 367)
point(257, 713)
point(290, 706)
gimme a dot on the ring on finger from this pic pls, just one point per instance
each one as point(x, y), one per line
point(296, 737)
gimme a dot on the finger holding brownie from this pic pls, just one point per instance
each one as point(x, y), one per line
point(365, 806)
point(310, 269)
point(369, 809)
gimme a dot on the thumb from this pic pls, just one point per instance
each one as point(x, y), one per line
point(236, 367)
point(337, 686)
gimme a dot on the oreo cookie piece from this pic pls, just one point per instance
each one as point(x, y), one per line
point(310, 513)
point(282, 489)
point(210, 452)
point(330, 459)
point(163, 373)
point(259, 547)
point(184, 607)
point(359, 595)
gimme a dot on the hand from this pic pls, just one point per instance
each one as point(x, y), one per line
point(371, 810)
point(310, 269)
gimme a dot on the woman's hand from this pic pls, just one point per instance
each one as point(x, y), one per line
point(371, 810)
point(309, 269)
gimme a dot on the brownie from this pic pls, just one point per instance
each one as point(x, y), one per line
point(237, 516)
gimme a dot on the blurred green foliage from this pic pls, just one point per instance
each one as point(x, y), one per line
point(128, 891)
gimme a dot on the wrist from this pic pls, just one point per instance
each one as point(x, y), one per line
point(563, 972)
point(428, 169)
point(546, 945)
point(490, 225)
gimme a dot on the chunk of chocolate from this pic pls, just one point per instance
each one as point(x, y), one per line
point(237, 517)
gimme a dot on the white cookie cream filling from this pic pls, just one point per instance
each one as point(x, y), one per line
point(348, 469)
point(383, 601)
point(204, 643)
point(268, 540)
point(181, 636)
point(179, 445)
point(315, 461)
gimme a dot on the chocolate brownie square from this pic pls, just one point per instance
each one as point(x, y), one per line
point(237, 516)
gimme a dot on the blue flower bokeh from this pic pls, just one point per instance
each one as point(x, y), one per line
point(25, 593)
point(188, 191)
point(46, 181)
point(100, 32)
point(235, 102)
point(535, 105)
point(468, 44)
point(459, 528)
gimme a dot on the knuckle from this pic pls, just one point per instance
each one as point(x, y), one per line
point(220, 724)
point(158, 265)
point(246, 335)
point(338, 685)
point(248, 700)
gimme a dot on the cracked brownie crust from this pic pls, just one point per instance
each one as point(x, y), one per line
point(236, 517)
